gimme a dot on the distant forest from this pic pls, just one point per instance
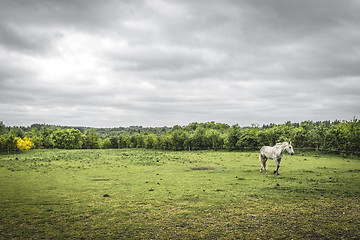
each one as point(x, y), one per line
point(336, 136)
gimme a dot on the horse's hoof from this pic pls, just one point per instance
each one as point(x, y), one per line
point(278, 174)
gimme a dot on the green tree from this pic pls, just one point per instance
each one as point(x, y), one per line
point(214, 139)
point(151, 141)
point(318, 135)
point(248, 139)
point(8, 143)
point(114, 142)
point(2, 128)
point(165, 141)
point(302, 135)
point(124, 141)
point(36, 138)
point(198, 139)
point(178, 138)
point(47, 139)
point(137, 141)
point(91, 140)
point(232, 138)
point(348, 135)
point(106, 144)
point(331, 139)
point(17, 132)
point(68, 138)
point(273, 135)
point(191, 127)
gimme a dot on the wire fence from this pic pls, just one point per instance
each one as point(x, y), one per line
point(309, 149)
point(329, 150)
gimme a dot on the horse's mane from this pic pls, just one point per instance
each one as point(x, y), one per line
point(281, 144)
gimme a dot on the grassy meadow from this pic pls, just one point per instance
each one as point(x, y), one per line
point(151, 194)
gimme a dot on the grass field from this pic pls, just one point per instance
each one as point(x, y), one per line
point(148, 194)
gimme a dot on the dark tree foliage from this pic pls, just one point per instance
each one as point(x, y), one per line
point(91, 140)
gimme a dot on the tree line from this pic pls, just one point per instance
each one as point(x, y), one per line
point(336, 136)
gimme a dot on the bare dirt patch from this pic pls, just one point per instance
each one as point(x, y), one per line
point(202, 168)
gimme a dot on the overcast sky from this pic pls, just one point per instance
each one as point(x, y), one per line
point(166, 62)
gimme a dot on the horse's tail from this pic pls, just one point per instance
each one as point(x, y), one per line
point(262, 160)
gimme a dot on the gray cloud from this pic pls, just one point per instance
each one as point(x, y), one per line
point(155, 63)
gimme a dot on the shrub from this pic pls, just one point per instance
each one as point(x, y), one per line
point(24, 144)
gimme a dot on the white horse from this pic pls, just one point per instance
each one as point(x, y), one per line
point(275, 153)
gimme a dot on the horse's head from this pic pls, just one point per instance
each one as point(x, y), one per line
point(290, 148)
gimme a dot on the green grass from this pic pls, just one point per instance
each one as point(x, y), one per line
point(147, 194)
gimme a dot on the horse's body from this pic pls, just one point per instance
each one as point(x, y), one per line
point(275, 153)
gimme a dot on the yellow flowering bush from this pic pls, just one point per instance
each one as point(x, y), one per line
point(24, 144)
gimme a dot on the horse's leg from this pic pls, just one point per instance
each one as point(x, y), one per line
point(277, 161)
point(277, 170)
point(263, 163)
